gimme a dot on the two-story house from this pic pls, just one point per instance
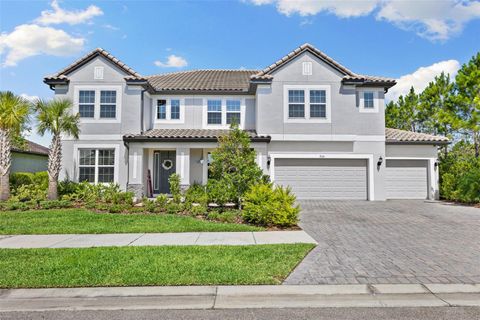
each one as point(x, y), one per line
point(316, 126)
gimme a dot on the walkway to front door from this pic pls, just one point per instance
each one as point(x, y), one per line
point(163, 167)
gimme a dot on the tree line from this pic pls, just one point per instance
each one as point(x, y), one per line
point(448, 107)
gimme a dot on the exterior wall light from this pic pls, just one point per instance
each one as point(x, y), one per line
point(380, 161)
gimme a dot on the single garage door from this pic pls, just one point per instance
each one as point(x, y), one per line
point(407, 179)
point(323, 178)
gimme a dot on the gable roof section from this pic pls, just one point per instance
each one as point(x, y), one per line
point(203, 80)
point(62, 74)
point(189, 135)
point(348, 75)
point(396, 136)
point(33, 148)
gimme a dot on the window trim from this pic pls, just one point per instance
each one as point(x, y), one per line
point(307, 118)
point(76, 157)
point(376, 100)
point(96, 112)
point(168, 109)
point(224, 99)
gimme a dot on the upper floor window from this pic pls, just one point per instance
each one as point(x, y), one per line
point(96, 165)
point(233, 111)
point(307, 103)
point(318, 104)
point(161, 109)
point(98, 103)
point(296, 103)
point(368, 102)
point(175, 109)
point(214, 112)
point(86, 103)
point(108, 104)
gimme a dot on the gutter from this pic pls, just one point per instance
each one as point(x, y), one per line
point(417, 142)
point(186, 139)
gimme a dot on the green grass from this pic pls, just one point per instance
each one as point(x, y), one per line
point(145, 266)
point(85, 221)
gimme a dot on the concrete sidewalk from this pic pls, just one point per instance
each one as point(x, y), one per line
point(241, 297)
point(154, 239)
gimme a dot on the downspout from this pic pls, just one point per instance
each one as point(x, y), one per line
point(127, 147)
point(142, 125)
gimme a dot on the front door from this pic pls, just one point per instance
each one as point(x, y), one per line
point(163, 167)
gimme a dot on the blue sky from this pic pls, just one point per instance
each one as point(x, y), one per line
point(408, 40)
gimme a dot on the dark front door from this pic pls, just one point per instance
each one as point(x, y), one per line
point(163, 167)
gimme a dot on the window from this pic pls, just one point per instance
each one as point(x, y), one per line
point(214, 111)
point(296, 103)
point(96, 165)
point(161, 109)
point(368, 100)
point(174, 109)
point(318, 104)
point(233, 111)
point(86, 103)
point(108, 104)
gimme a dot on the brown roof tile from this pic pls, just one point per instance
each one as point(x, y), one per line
point(403, 136)
point(189, 135)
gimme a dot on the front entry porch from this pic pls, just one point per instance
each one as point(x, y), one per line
point(151, 164)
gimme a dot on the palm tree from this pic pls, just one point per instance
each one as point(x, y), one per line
point(55, 117)
point(14, 114)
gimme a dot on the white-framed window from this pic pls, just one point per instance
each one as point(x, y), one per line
point(368, 100)
point(307, 104)
point(169, 109)
point(221, 112)
point(96, 165)
point(108, 104)
point(97, 104)
point(234, 111)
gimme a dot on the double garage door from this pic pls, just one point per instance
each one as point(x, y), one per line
point(323, 178)
point(347, 178)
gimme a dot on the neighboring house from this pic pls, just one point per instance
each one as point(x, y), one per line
point(316, 126)
point(33, 158)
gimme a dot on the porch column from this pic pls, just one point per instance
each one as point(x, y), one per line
point(135, 171)
point(183, 166)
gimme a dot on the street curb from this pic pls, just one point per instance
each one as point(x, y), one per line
point(241, 297)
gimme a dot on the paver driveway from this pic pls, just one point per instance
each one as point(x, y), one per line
point(399, 241)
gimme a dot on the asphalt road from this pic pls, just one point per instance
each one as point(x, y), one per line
point(437, 313)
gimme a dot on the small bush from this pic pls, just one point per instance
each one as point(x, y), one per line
point(67, 188)
point(175, 190)
point(117, 208)
point(15, 205)
point(174, 208)
point(198, 210)
point(268, 206)
point(40, 179)
point(149, 205)
point(18, 179)
point(55, 204)
point(161, 201)
point(229, 216)
point(29, 192)
point(196, 193)
point(220, 191)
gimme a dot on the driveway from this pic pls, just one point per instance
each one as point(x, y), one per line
point(401, 241)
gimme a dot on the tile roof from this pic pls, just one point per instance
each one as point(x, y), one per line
point(189, 135)
point(203, 80)
point(33, 148)
point(88, 57)
point(349, 75)
point(403, 136)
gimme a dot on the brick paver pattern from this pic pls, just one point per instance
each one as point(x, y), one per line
point(402, 241)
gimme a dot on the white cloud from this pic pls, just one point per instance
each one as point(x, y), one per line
point(29, 98)
point(110, 27)
point(434, 20)
point(173, 61)
point(59, 15)
point(28, 40)
point(421, 77)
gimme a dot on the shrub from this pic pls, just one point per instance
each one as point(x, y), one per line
point(161, 201)
point(15, 205)
point(67, 188)
point(174, 181)
point(174, 208)
point(55, 204)
point(18, 179)
point(196, 193)
point(117, 208)
point(220, 191)
point(40, 179)
point(29, 192)
point(149, 205)
point(268, 206)
point(228, 216)
point(198, 210)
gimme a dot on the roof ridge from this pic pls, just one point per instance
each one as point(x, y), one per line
point(196, 70)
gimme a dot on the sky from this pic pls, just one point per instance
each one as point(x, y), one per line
point(412, 41)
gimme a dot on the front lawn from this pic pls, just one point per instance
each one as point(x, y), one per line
point(148, 266)
point(85, 221)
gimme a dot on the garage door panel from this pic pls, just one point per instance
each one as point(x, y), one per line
point(406, 179)
point(323, 178)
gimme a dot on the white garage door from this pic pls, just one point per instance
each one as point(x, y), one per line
point(323, 178)
point(407, 179)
